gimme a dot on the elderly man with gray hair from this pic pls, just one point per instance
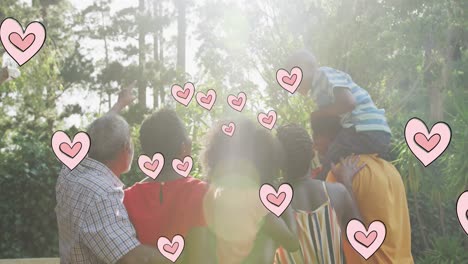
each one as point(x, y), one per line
point(94, 226)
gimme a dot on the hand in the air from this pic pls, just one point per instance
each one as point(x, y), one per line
point(125, 96)
point(347, 169)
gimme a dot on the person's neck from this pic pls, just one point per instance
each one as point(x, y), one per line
point(168, 175)
point(114, 168)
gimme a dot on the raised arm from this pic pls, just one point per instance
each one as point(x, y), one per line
point(125, 98)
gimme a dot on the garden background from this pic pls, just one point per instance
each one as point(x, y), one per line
point(410, 55)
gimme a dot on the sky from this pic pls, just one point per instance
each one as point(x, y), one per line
point(90, 100)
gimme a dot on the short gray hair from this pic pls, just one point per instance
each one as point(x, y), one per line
point(109, 135)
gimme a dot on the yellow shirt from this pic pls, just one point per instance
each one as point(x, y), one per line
point(380, 195)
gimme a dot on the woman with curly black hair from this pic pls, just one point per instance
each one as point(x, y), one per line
point(236, 167)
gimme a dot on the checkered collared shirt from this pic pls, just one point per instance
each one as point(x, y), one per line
point(93, 224)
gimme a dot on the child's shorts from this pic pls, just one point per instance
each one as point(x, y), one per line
point(349, 141)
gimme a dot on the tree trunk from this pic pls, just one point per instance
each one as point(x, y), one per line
point(181, 35)
point(156, 85)
point(141, 57)
point(106, 86)
point(434, 92)
point(162, 93)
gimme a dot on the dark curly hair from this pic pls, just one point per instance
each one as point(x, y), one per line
point(163, 132)
point(297, 146)
point(250, 147)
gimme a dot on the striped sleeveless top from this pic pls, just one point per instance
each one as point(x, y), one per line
point(319, 236)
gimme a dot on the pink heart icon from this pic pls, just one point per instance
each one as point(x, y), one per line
point(183, 95)
point(276, 202)
point(22, 45)
point(171, 249)
point(462, 210)
point(267, 120)
point(229, 129)
point(289, 81)
point(70, 153)
point(183, 167)
point(237, 102)
point(151, 167)
point(365, 242)
point(427, 146)
point(207, 100)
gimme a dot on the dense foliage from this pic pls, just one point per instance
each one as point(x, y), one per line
point(411, 56)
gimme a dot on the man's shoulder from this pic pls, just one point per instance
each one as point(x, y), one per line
point(86, 179)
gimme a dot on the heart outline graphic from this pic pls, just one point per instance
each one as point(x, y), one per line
point(267, 120)
point(155, 167)
point(287, 85)
point(355, 226)
point(173, 254)
point(266, 190)
point(462, 210)
point(276, 200)
point(151, 166)
point(22, 40)
point(426, 144)
point(290, 80)
point(70, 151)
point(207, 100)
point(60, 137)
point(229, 129)
point(177, 90)
point(11, 25)
point(416, 125)
point(186, 164)
point(365, 240)
point(234, 103)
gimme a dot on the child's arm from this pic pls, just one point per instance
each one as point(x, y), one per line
point(344, 103)
point(344, 174)
point(200, 247)
point(281, 233)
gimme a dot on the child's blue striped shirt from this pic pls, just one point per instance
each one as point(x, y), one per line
point(365, 116)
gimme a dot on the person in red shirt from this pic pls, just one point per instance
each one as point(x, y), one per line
point(171, 204)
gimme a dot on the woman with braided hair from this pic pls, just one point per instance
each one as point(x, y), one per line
point(321, 209)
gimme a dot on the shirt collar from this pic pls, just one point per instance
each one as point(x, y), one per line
point(96, 165)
